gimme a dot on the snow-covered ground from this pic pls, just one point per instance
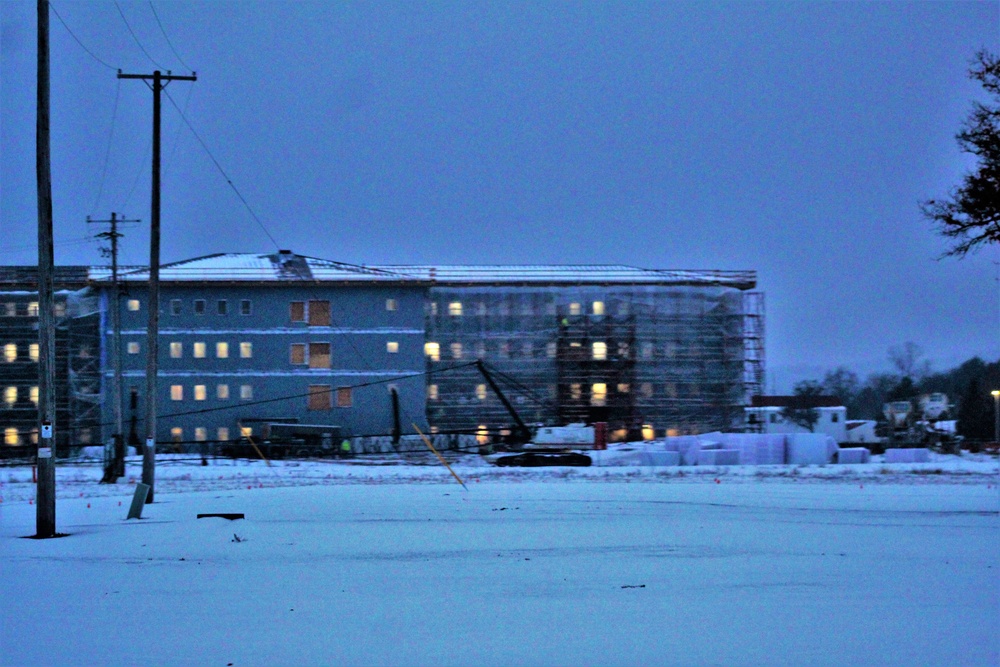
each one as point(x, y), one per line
point(352, 564)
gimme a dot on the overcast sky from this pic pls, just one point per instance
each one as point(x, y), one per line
point(793, 139)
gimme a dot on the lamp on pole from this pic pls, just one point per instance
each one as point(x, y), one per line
point(996, 415)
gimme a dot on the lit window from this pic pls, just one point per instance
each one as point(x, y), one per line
point(199, 306)
point(246, 392)
point(33, 351)
point(434, 430)
point(176, 350)
point(175, 306)
point(298, 353)
point(200, 433)
point(10, 352)
point(199, 350)
point(598, 394)
point(434, 308)
point(392, 347)
point(456, 350)
point(10, 436)
point(222, 307)
point(59, 308)
point(132, 347)
point(344, 398)
point(624, 388)
point(297, 311)
point(133, 304)
point(33, 308)
point(222, 392)
point(598, 308)
point(222, 350)
point(455, 308)
point(550, 350)
point(600, 350)
point(482, 435)
point(246, 431)
point(390, 304)
point(574, 309)
point(321, 397)
point(246, 350)
point(177, 434)
point(319, 313)
point(647, 432)
point(222, 433)
point(245, 307)
point(576, 343)
point(433, 351)
point(576, 391)
point(10, 395)
point(481, 392)
point(33, 394)
point(432, 392)
point(200, 393)
point(176, 392)
point(319, 355)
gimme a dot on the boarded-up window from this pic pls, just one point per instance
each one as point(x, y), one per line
point(319, 355)
point(319, 313)
point(343, 397)
point(298, 353)
point(320, 397)
point(297, 311)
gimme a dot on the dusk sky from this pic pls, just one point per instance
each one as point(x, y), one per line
point(793, 139)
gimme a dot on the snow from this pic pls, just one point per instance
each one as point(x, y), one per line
point(379, 562)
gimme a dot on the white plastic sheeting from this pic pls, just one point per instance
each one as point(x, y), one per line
point(854, 455)
point(810, 448)
point(914, 455)
point(753, 448)
point(719, 457)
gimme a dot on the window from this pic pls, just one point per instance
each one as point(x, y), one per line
point(133, 305)
point(503, 350)
point(646, 350)
point(392, 347)
point(455, 308)
point(624, 351)
point(176, 350)
point(432, 392)
point(456, 350)
point(624, 388)
point(59, 308)
point(199, 350)
point(200, 433)
point(550, 350)
point(297, 311)
point(33, 351)
point(575, 391)
point(390, 304)
point(10, 352)
point(222, 307)
point(246, 350)
point(222, 433)
point(33, 395)
point(200, 393)
point(222, 350)
point(8, 309)
point(176, 392)
point(319, 313)
point(834, 417)
point(774, 418)
point(598, 394)
point(481, 308)
point(527, 309)
point(482, 435)
point(177, 434)
point(481, 392)
point(33, 308)
point(246, 392)
point(319, 355)
point(480, 349)
point(222, 392)
point(646, 389)
point(297, 354)
point(432, 351)
point(10, 436)
point(527, 349)
point(199, 306)
point(343, 397)
point(574, 309)
point(600, 351)
point(321, 397)
point(622, 308)
point(434, 308)
point(245, 307)
point(246, 431)
point(597, 308)
point(132, 347)
point(175, 306)
point(10, 396)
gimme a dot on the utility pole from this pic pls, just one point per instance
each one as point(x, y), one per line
point(115, 467)
point(45, 513)
point(159, 82)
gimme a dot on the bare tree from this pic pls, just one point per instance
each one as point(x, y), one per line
point(906, 359)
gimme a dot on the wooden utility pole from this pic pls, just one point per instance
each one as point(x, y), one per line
point(115, 467)
point(159, 82)
point(45, 501)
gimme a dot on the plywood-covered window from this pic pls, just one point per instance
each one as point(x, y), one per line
point(297, 311)
point(319, 313)
point(246, 392)
point(344, 397)
point(176, 392)
point(319, 355)
point(320, 397)
point(297, 353)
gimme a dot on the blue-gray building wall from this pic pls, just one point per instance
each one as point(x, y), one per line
point(262, 382)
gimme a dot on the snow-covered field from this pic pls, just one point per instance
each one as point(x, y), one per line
point(350, 564)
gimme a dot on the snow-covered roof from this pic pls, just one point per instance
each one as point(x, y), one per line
point(288, 266)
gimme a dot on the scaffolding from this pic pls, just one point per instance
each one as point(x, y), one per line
point(676, 358)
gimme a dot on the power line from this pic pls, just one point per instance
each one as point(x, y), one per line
point(221, 170)
point(131, 32)
point(169, 43)
point(89, 52)
point(107, 153)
